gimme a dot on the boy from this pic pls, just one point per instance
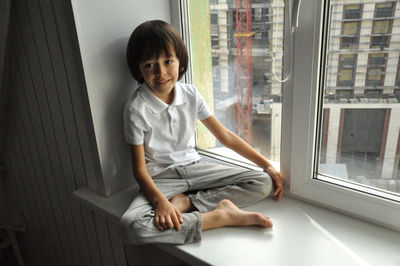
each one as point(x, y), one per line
point(181, 196)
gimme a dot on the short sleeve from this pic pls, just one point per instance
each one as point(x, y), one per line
point(203, 111)
point(134, 127)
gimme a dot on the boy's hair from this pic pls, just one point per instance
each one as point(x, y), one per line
point(149, 40)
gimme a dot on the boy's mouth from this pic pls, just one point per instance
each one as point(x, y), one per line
point(162, 82)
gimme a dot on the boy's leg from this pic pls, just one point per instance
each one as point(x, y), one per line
point(216, 185)
point(215, 182)
point(137, 225)
point(228, 214)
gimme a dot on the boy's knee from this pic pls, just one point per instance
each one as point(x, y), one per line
point(264, 184)
point(133, 231)
point(268, 187)
point(134, 234)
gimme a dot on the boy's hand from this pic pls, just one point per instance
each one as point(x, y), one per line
point(167, 216)
point(277, 180)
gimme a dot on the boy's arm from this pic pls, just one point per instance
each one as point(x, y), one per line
point(234, 142)
point(167, 215)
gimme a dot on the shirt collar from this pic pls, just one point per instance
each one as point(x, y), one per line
point(157, 105)
point(178, 98)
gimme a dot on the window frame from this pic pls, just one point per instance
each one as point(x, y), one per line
point(338, 195)
point(299, 121)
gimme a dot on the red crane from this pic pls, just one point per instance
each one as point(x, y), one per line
point(244, 34)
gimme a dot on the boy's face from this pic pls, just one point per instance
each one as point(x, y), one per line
point(161, 74)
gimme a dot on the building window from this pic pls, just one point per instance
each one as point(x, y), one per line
point(382, 25)
point(381, 33)
point(346, 70)
point(385, 10)
point(376, 70)
point(214, 31)
point(352, 12)
point(350, 27)
point(350, 35)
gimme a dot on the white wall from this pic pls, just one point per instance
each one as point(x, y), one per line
point(103, 28)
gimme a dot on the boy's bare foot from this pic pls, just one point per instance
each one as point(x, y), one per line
point(182, 202)
point(228, 214)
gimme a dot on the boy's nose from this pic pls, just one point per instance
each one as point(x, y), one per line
point(160, 70)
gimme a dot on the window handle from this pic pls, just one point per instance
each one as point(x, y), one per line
point(294, 8)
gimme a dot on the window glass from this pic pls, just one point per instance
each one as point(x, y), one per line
point(384, 10)
point(246, 52)
point(376, 70)
point(352, 12)
point(359, 133)
point(350, 20)
point(346, 73)
point(382, 25)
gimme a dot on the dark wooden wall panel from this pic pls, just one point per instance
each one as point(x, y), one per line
point(28, 161)
point(50, 147)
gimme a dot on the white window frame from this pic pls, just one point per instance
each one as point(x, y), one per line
point(306, 79)
point(299, 118)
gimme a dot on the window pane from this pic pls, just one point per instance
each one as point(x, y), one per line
point(246, 52)
point(379, 41)
point(384, 10)
point(381, 26)
point(352, 12)
point(349, 37)
point(346, 70)
point(360, 127)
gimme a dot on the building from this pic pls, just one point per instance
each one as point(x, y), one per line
point(362, 110)
point(266, 61)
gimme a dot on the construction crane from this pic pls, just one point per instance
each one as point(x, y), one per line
point(244, 34)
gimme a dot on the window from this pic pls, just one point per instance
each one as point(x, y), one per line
point(384, 10)
point(338, 142)
point(376, 70)
point(347, 67)
point(347, 141)
point(352, 12)
point(382, 25)
point(350, 26)
point(247, 52)
point(214, 31)
point(362, 133)
point(350, 35)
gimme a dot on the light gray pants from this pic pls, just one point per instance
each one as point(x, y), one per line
point(206, 184)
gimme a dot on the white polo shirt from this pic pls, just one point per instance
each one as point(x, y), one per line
point(166, 131)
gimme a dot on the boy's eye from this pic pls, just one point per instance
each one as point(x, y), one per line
point(149, 65)
point(169, 61)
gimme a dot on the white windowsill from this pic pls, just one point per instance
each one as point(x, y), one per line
point(231, 157)
point(303, 234)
